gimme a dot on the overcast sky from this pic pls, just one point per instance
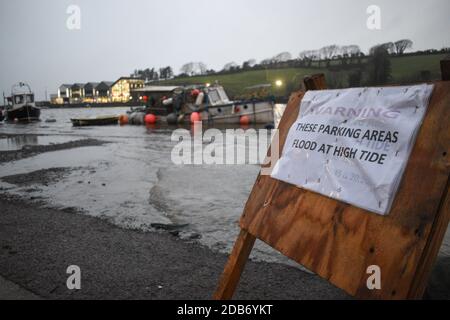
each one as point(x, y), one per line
point(117, 37)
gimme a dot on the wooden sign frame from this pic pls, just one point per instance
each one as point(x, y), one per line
point(338, 241)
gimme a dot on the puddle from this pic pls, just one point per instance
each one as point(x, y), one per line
point(18, 142)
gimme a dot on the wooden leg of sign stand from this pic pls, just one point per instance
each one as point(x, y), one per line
point(235, 265)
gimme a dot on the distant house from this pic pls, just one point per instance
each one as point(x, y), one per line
point(90, 91)
point(98, 92)
point(121, 89)
point(76, 92)
point(54, 99)
point(64, 93)
point(103, 91)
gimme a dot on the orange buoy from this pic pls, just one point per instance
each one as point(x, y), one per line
point(150, 118)
point(244, 120)
point(123, 119)
point(195, 116)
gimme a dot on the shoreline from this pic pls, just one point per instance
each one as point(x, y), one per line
point(38, 244)
point(33, 150)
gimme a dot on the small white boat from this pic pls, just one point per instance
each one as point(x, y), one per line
point(96, 121)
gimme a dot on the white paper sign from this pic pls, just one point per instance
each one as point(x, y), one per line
point(353, 144)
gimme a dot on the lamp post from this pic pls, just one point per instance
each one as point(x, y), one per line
point(278, 86)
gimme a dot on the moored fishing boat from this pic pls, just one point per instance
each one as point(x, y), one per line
point(210, 104)
point(20, 105)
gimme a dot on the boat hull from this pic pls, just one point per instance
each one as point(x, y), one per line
point(23, 114)
point(256, 113)
point(261, 112)
point(95, 121)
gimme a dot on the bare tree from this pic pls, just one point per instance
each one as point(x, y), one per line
point(202, 68)
point(194, 68)
point(308, 56)
point(165, 73)
point(380, 66)
point(188, 68)
point(388, 46)
point(402, 45)
point(266, 61)
point(249, 64)
point(282, 57)
point(328, 52)
point(351, 50)
point(229, 66)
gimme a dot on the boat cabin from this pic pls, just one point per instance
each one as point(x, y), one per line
point(20, 105)
point(18, 100)
point(217, 96)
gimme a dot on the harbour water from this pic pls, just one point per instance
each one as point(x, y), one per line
point(132, 181)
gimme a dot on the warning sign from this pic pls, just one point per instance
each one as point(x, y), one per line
point(353, 144)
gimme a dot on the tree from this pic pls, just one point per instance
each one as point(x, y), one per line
point(194, 68)
point(188, 68)
point(202, 68)
point(328, 52)
point(308, 56)
point(249, 64)
point(166, 73)
point(282, 57)
point(148, 74)
point(402, 45)
point(151, 74)
point(266, 62)
point(380, 66)
point(388, 47)
point(350, 51)
point(230, 66)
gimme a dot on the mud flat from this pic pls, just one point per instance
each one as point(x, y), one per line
point(38, 177)
point(38, 244)
point(30, 151)
point(38, 241)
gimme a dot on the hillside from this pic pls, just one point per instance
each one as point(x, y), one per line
point(405, 69)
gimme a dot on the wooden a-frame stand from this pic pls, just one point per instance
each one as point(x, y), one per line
point(338, 241)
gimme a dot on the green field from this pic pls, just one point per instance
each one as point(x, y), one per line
point(404, 70)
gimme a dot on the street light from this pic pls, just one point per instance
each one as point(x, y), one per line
point(278, 83)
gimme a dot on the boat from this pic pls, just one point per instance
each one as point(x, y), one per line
point(20, 105)
point(175, 105)
point(96, 121)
